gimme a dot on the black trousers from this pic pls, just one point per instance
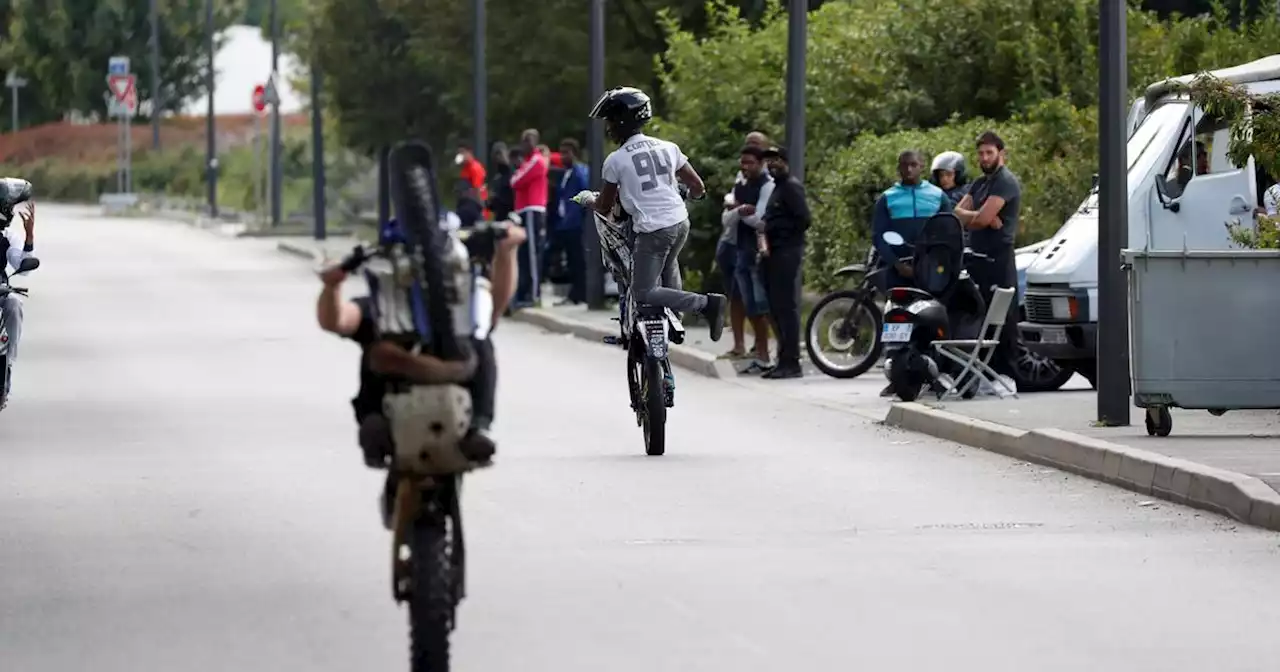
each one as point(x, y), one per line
point(570, 241)
point(1001, 271)
point(783, 278)
point(528, 289)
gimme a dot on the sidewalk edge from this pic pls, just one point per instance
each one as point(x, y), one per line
point(1229, 493)
point(297, 250)
point(701, 363)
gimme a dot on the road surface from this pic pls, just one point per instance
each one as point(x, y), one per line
point(180, 490)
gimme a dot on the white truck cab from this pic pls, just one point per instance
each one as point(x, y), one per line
point(1179, 198)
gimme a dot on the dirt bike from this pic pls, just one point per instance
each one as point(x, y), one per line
point(847, 320)
point(432, 298)
point(645, 332)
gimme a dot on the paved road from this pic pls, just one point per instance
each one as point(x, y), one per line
point(179, 491)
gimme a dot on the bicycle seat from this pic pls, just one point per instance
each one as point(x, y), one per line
point(13, 190)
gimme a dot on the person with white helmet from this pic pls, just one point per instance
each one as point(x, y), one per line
point(948, 174)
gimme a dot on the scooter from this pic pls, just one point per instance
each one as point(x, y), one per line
point(915, 318)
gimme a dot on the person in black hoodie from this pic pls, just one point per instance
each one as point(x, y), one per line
point(502, 198)
point(786, 219)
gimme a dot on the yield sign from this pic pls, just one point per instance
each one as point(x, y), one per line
point(121, 86)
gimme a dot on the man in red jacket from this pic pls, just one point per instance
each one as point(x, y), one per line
point(471, 170)
point(530, 185)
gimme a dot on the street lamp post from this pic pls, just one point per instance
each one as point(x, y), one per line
point(480, 84)
point(1113, 217)
point(595, 147)
point(797, 45)
point(157, 100)
point(210, 127)
point(275, 116)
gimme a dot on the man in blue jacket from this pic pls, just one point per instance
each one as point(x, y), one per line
point(904, 208)
point(567, 234)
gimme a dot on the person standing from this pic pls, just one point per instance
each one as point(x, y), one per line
point(472, 171)
point(530, 184)
point(786, 219)
point(502, 201)
point(727, 260)
point(903, 209)
point(567, 235)
point(752, 198)
point(990, 213)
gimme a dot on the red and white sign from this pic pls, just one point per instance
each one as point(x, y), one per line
point(260, 99)
point(124, 92)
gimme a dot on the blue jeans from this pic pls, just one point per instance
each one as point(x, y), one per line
point(750, 283)
point(727, 259)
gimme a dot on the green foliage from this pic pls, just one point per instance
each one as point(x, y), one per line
point(1051, 150)
point(63, 47)
point(1265, 237)
point(879, 68)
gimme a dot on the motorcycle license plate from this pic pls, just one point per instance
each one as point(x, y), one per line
point(896, 333)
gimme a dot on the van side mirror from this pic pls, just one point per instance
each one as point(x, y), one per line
point(1162, 192)
point(1095, 183)
point(28, 264)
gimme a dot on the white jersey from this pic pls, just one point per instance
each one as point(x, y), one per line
point(644, 169)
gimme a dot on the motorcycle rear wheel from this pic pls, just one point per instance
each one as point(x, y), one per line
point(905, 382)
point(655, 407)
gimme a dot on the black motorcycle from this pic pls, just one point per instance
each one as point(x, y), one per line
point(946, 304)
point(848, 321)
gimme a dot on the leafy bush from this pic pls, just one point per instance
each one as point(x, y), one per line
point(1050, 149)
point(878, 68)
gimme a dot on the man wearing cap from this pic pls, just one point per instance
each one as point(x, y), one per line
point(786, 219)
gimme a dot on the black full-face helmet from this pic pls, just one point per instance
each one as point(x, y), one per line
point(625, 110)
point(13, 191)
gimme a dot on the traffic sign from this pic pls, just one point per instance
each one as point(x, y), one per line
point(272, 92)
point(260, 99)
point(122, 95)
point(13, 81)
point(118, 65)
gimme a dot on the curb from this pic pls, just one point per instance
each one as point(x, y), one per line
point(304, 251)
point(1232, 494)
point(685, 357)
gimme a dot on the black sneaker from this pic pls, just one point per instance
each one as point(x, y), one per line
point(780, 372)
point(714, 312)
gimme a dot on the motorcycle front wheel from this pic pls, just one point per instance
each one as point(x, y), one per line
point(655, 407)
point(432, 601)
point(846, 322)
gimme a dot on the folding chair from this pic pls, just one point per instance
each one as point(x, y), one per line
point(974, 354)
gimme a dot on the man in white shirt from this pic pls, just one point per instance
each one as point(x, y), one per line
point(643, 172)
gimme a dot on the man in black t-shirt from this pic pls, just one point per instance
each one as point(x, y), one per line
point(990, 212)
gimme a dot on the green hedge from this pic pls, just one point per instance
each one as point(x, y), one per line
point(880, 70)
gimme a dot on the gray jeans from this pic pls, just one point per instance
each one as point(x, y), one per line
point(657, 258)
point(11, 306)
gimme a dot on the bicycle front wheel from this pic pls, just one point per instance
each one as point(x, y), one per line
point(431, 604)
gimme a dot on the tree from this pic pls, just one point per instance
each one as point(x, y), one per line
point(64, 46)
point(1255, 132)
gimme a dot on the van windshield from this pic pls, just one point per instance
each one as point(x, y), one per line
point(1147, 145)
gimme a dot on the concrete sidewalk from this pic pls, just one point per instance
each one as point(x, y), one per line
point(1228, 464)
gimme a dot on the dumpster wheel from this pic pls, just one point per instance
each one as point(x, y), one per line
point(1159, 421)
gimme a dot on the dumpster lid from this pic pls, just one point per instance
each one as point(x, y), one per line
point(1240, 255)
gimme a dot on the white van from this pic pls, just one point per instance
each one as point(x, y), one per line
point(1176, 202)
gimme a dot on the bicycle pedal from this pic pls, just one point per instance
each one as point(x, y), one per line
point(612, 340)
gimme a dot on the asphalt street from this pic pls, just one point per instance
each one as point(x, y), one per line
point(180, 490)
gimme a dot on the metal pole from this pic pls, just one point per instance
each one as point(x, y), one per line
point(211, 146)
point(14, 90)
point(317, 154)
point(595, 148)
point(797, 46)
point(481, 84)
point(1113, 218)
point(384, 186)
point(157, 98)
point(128, 152)
point(275, 117)
point(257, 164)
